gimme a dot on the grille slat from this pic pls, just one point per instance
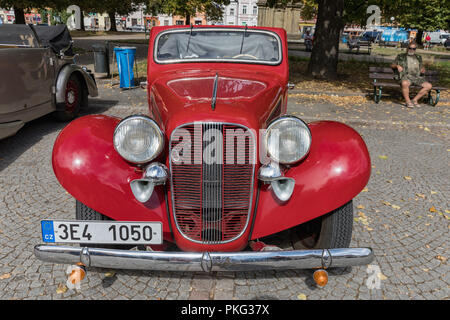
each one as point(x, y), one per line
point(212, 199)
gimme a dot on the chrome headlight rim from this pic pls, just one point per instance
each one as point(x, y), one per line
point(155, 126)
point(274, 122)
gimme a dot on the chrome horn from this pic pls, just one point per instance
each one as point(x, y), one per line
point(283, 187)
point(155, 174)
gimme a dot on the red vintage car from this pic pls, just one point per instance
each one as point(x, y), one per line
point(216, 176)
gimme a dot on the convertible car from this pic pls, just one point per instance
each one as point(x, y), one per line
point(216, 176)
point(38, 76)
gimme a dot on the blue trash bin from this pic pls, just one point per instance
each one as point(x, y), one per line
point(125, 60)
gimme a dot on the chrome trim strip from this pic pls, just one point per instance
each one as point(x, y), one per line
point(181, 30)
point(205, 261)
point(214, 94)
point(252, 187)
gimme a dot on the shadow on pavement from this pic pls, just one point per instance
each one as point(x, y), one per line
point(13, 147)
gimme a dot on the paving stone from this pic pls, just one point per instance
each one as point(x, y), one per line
point(403, 242)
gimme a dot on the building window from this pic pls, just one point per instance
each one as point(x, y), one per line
point(166, 22)
point(231, 11)
point(244, 9)
point(198, 22)
point(255, 10)
point(179, 22)
point(231, 22)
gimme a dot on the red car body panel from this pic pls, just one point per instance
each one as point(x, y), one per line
point(336, 169)
point(89, 168)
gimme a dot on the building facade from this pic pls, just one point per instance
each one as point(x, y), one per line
point(241, 13)
point(280, 17)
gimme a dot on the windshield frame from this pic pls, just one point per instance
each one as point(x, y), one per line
point(218, 60)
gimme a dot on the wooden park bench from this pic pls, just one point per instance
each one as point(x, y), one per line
point(358, 44)
point(386, 74)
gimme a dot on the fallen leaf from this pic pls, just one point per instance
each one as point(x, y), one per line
point(432, 209)
point(369, 229)
point(361, 207)
point(407, 178)
point(426, 129)
point(433, 192)
point(110, 274)
point(389, 181)
point(386, 203)
point(365, 190)
point(447, 211)
point(5, 276)
point(395, 207)
point(381, 276)
point(61, 288)
point(301, 296)
point(441, 258)
point(383, 157)
point(420, 195)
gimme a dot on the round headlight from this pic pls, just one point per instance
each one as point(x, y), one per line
point(287, 140)
point(138, 139)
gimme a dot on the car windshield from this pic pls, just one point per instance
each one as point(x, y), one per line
point(17, 35)
point(229, 45)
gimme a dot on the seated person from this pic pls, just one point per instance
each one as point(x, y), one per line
point(410, 67)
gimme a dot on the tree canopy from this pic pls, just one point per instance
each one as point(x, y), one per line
point(187, 8)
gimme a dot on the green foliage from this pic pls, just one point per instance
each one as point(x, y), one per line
point(121, 7)
point(423, 15)
point(309, 9)
point(427, 15)
point(212, 9)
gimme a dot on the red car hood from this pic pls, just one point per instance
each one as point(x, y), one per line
point(185, 96)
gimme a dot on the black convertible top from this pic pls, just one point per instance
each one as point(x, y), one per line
point(56, 37)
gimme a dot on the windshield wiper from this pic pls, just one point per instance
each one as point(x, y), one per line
point(243, 36)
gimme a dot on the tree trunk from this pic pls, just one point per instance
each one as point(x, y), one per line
point(82, 20)
point(19, 15)
point(324, 56)
point(419, 37)
point(188, 19)
point(112, 19)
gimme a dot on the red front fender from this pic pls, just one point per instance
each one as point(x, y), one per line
point(335, 171)
point(88, 167)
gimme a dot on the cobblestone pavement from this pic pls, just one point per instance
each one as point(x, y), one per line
point(402, 214)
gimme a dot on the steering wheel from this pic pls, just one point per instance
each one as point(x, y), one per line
point(245, 55)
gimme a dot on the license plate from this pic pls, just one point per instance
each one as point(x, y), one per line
point(101, 232)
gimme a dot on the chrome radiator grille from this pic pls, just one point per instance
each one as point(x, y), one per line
point(212, 172)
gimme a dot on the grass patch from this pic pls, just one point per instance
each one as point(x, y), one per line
point(353, 75)
point(78, 50)
point(131, 41)
point(79, 33)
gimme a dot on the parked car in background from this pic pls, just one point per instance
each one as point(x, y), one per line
point(438, 37)
point(372, 36)
point(137, 28)
point(217, 176)
point(444, 37)
point(447, 43)
point(38, 76)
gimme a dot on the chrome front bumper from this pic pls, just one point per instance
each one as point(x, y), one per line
point(205, 261)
